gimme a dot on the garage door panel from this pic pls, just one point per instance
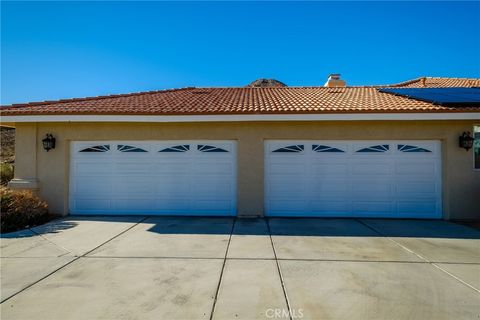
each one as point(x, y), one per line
point(213, 205)
point(417, 168)
point(217, 189)
point(288, 206)
point(285, 186)
point(422, 208)
point(171, 187)
point(374, 207)
point(153, 177)
point(322, 186)
point(330, 169)
point(133, 167)
point(371, 188)
point(212, 167)
point(329, 207)
point(132, 185)
point(132, 205)
point(294, 168)
point(92, 168)
point(171, 167)
point(92, 204)
point(92, 185)
point(371, 168)
point(367, 179)
point(173, 205)
point(412, 188)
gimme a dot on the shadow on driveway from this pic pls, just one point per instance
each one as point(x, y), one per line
point(318, 227)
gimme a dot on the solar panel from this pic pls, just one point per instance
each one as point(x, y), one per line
point(442, 96)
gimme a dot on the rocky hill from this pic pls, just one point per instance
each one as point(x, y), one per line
point(266, 83)
point(7, 142)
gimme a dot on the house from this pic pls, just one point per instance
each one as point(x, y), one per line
point(336, 151)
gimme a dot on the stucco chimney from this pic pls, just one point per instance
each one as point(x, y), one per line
point(335, 81)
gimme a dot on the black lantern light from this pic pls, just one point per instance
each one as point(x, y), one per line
point(465, 141)
point(48, 142)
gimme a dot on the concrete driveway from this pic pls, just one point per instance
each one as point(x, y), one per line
point(225, 268)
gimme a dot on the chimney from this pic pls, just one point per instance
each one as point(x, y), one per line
point(335, 81)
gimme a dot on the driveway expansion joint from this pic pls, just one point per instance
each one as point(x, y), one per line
point(47, 239)
point(222, 270)
point(284, 289)
point(76, 257)
point(455, 277)
point(433, 264)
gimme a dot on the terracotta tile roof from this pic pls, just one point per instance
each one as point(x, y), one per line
point(438, 82)
point(281, 100)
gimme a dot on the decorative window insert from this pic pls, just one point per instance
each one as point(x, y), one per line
point(409, 148)
point(377, 148)
point(322, 148)
point(180, 148)
point(100, 148)
point(293, 148)
point(476, 147)
point(207, 148)
point(125, 148)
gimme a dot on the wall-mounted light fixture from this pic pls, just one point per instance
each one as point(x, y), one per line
point(48, 142)
point(465, 141)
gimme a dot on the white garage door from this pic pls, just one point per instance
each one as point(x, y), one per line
point(145, 177)
point(353, 179)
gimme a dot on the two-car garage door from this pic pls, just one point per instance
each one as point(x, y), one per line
point(302, 178)
point(145, 177)
point(346, 178)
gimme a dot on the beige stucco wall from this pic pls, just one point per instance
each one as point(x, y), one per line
point(461, 184)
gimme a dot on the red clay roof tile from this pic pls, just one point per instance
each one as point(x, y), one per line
point(248, 100)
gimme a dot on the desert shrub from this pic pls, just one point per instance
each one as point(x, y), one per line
point(21, 209)
point(6, 173)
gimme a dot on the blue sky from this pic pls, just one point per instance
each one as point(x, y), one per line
point(53, 50)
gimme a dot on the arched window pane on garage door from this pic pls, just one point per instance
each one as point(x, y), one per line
point(125, 148)
point(99, 148)
point(179, 148)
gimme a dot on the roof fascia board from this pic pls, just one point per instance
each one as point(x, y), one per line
point(246, 117)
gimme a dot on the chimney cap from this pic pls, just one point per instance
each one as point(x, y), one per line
point(334, 76)
point(334, 81)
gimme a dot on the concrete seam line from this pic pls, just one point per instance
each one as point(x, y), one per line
point(222, 270)
point(250, 259)
point(45, 238)
point(70, 262)
point(284, 289)
point(395, 242)
point(349, 260)
point(143, 257)
point(115, 236)
point(455, 277)
point(35, 282)
point(421, 257)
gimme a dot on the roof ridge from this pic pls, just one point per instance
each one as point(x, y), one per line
point(452, 78)
point(406, 82)
point(291, 87)
point(120, 95)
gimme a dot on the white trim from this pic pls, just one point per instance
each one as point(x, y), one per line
point(245, 117)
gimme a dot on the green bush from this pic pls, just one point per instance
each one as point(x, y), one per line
point(20, 210)
point(6, 173)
